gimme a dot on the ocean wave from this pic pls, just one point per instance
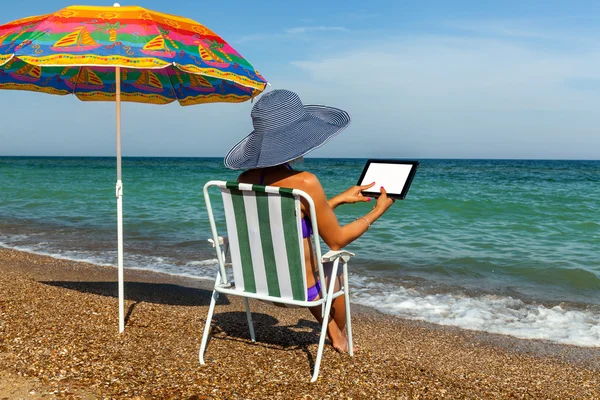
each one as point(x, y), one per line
point(200, 269)
point(62, 255)
point(490, 313)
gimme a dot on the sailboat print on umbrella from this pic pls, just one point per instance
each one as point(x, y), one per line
point(158, 47)
point(210, 57)
point(199, 84)
point(79, 40)
point(27, 73)
point(86, 79)
point(148, 82)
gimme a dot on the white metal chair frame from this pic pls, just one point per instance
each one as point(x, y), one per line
point(327, 294)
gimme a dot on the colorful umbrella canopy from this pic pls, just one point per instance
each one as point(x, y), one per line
point(123, 53)
point(163, 58)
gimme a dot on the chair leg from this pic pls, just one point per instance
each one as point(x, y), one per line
point(249, 315)
point(348, 319)
point(211, 309)
point(328, 303)
point(322, 340)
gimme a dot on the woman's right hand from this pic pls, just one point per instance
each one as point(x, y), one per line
point(383, 201)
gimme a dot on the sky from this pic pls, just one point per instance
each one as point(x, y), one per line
point(420, 79)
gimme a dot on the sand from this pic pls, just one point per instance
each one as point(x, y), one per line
point(58, 338)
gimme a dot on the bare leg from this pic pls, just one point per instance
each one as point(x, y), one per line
point(337, 319)
point(338, 339)
point(338, 308)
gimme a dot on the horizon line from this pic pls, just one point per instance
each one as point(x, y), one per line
point(318, 158)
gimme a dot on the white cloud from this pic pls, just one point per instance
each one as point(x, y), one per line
point(444, 96)
point(454, 73)
point(477, 95)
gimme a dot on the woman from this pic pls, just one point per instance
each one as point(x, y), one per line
point(285, 130)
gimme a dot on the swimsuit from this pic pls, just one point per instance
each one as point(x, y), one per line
point(307, 231)
point(306, 228)
point(313, 291)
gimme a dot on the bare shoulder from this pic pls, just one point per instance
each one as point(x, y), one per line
point(306, 181)
point(306, 178)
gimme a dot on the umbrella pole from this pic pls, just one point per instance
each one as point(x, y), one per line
point(119, 193)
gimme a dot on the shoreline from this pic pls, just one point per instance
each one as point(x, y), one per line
point(525, 328)
point(59, 326)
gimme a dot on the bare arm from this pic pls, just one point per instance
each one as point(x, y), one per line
point(350, 196)
point(335, 235)
point(334, 202)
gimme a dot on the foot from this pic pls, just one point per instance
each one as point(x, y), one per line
point(340, 343)
point(341, 346)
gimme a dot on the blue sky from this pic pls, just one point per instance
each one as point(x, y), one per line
point(421, 79)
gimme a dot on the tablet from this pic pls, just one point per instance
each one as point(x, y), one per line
point(394, 175)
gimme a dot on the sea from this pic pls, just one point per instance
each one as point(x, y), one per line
point(503, 246)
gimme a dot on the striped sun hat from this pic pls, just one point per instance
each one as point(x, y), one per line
point(284, 129)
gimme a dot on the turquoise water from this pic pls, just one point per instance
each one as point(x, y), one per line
point(507, 246)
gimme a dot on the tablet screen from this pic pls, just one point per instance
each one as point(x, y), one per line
point(394, 175)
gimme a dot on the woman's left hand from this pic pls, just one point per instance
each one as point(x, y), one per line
point(354, 194)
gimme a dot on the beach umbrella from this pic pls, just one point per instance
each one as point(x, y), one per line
point(123, 54)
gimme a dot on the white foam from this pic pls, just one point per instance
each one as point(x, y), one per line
point(202, 269)
point(211, 262)
point(75, 256)
point(489, 313)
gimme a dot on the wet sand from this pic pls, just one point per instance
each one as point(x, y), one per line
point(58, 338)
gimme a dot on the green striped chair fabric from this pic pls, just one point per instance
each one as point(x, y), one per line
point(265, 240)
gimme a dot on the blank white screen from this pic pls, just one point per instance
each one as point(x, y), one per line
point(391, 176)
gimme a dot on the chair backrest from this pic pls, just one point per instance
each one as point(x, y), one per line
point(265, 239)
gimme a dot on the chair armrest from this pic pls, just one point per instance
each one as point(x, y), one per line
point(222, 240)
point(331, 255)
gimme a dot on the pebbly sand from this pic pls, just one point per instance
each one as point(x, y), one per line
point(58, 338)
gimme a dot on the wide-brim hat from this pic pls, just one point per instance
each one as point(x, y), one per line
point(284, 130)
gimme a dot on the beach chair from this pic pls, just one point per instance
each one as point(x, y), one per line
point(265, 242)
